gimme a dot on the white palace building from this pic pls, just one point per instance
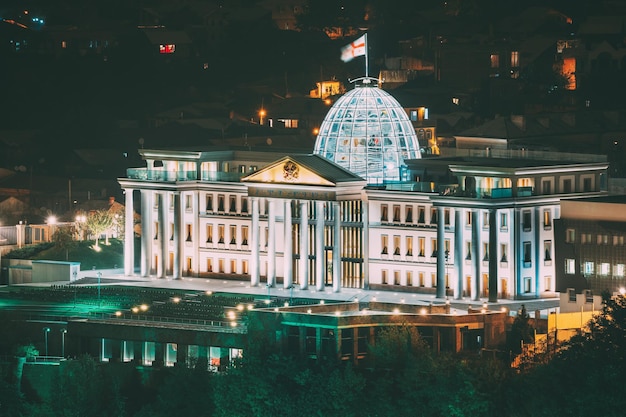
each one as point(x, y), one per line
point(365, 210)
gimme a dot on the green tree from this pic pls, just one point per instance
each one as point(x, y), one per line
point(521, 331)
point(99, 222)
point(64, 239)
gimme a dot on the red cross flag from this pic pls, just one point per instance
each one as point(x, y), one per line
point(354, 49)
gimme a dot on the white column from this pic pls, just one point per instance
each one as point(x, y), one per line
point(459, 257)
point(337, 247)
point(441, 255)
point(163, 238)
point(271, 244)
point(146, 231)
point(288, 247)
point(319, 245)
point(195, 230)
point(365, 244)
point(304, 244)
point(129, 234)
point(178, 229)
point(476, 262)
point(255, 273)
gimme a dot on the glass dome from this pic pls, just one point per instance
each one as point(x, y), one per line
point(368, 132)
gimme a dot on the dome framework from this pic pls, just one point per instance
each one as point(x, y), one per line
point(368, 132)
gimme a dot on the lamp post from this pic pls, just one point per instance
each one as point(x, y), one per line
point(99, 277)
point(269, 299)
point(46, 330)
point(63, 332)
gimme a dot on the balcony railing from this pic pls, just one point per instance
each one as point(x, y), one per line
point(163, 175)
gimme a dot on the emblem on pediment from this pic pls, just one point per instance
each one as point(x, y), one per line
point(290, 171)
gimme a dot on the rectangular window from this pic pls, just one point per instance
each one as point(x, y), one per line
point(409, 246)
point(504, 252)
point(485, 252)
point(409, 214)
point(433, 215)
point(546, 187)
point(209, 203)
point(244, 205)
point(384, 215)
point(433, 243)
point(527, 284)
point(468, 219)
point(570, 236)
point(588, 296)
point(468, 250)
point(618, 270)
point(421, 214)
point(421, 246)
point(514, 59)
point(570, 266)
point(494, 60)
point(547, 250)
point(167, 49)
point(567, 186)
point(547, 219)
point(187, 203)
point(384, 244)
point(485, 220)
point(220, 203)
point(396, 277)
point(504, 225)
point(588, 268)
point(586, 185)
point(220, 233)
point(527, 220)
point(396, 214)
point(396, 245)
point(188, 232)
point(209, 233)
point(209, 264)
point(244, 267)
point(605, 269)
point(383, 276)
point(585, 238)
point(220, 265)
point(527, 254)
point(244, 235)
point(409, 278)
point(571, 295)
point(233, 234)
point(232, 206)
point(420, 276)
point(446, 217)
point(603, 239)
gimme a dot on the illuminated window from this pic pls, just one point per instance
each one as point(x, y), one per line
point(167, 49)
point(188, 229)
point(244, 235)
point(603, 239)
point(220, 265)
point(384, 243)
point(468, 218)
point(420, 276)
point(588, 268)
point(421, 244)
point(514, 59)
point(409, 278)
point(433, 245)
point(409, 246)
point(468, 250)
point(618, 270)
point(383, 276)
point(446, 217)
point(209, 265)
point(396, 245)
point(209, 233)
point(547, 219)
point(396, 277)
point(233, 234)
point(220, 233)
point(570, 235)
point(585, 238)
point(485, 252)
point(604, 269)
point(233, 266)
point(570, 266)
point(494, 60)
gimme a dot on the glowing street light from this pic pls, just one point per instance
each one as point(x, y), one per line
point(46, 330)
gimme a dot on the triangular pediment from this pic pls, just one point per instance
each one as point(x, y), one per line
point(289, 171)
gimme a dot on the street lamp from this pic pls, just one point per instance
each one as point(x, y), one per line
point(63, 332)
point(99, 277)
point(46, 330)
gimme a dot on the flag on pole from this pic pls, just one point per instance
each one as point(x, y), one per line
point(354, 49)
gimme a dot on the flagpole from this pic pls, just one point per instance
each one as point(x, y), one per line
point(366, 58)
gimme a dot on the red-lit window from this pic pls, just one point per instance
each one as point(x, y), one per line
point(167, 49)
